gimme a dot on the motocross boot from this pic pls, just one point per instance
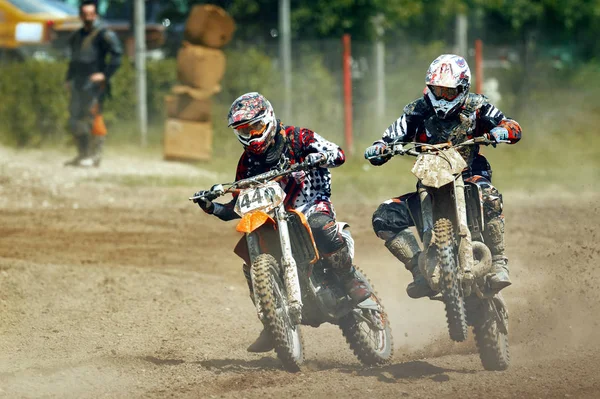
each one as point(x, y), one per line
point(494, 238)
point(405, 248)
point(355, 287)
point(97, 146)
point(82, 143)
point(264, 342)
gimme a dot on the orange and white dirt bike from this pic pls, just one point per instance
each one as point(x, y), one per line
point(291, 284)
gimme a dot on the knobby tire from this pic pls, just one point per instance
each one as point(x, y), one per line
point(449, 283)
point(360, 341)
point(491, 342)
point(265, 274)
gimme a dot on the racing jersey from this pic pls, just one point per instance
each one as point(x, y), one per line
point(303, 189)
point(419, 123)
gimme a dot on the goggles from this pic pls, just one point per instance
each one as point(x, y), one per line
point(255, 129)
point(446, 93)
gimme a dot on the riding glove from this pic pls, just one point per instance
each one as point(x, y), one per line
point(375, 154)
point(316, 158)
point(499, 134)
point(206, 205)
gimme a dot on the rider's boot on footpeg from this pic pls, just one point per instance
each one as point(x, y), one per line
point(494, 239)
point(405, 248)
point(355, 287)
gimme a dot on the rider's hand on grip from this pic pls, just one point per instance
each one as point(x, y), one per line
point(205, 204)
point(377, 154)
point(299, 176)
point(499, 135)
point(316, 159)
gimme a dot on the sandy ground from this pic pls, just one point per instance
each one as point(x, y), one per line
point(128, 290)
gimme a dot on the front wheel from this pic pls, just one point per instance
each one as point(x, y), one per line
point(443, 237)
point(492, 343)
point(368, 332)
point(272, 301)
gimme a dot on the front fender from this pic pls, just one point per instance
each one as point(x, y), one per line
point(437, 170)
point(252, 221)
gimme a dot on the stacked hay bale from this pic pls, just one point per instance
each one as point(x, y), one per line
point(200, 68)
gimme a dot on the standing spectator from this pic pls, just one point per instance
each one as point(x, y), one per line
point(95, 56)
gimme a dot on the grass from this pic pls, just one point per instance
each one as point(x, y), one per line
point(560, 149)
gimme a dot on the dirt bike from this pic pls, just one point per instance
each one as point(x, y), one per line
point(291, 283)
point(455, 261)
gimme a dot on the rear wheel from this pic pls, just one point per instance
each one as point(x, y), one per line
point(272, 300)
point(491, 342)
point(443, 233)
point(368, 332)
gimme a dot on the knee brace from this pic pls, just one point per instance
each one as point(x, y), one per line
point(405, 248)
point(325, 232)
point(493, 235)
point(391, 218)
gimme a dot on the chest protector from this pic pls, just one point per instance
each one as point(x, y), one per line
point(458, 128)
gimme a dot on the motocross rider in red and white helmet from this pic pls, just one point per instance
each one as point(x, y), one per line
point(446, 112)
point(268, 144)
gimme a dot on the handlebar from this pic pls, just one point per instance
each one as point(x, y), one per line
point(219, 190)
point(398, 147)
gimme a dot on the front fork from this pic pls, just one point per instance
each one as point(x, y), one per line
point(465, 246)
point(290, 270)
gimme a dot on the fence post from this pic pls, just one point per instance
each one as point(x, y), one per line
point(478, 66)
point(347, 65)
point(378, 21)
point(140, 68)
point(285, 56)
point(462, 26)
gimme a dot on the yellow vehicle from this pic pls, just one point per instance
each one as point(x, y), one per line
point(27, 27)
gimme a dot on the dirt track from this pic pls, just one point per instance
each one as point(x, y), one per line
point(130, 291)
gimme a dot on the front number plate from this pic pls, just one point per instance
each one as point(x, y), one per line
point(263, 198)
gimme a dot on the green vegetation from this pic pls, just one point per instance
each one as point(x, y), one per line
point(557, 108)
point(571, 23)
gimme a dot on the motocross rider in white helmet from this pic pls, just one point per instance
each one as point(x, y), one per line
point(446, 112)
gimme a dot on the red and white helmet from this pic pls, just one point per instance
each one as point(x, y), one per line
point(448, 81)
point(253, 121)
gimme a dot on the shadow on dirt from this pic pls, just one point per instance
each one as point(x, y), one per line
point(409, 370)
point(239, 365)
point(162, 362)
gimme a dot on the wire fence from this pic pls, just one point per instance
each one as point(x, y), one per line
point(520, 80)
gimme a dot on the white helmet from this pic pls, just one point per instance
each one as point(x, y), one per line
point(448, 81)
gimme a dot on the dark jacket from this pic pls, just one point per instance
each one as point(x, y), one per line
point(89, 52)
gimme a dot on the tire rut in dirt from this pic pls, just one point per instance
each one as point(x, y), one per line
point(449, 283)
point(360, 341)
point(491, 343)
point(265, 274)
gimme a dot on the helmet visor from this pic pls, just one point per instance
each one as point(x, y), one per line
point(250, 130)
point(445, 93)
